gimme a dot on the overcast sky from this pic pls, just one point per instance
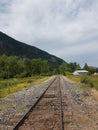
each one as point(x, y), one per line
point(65, 28)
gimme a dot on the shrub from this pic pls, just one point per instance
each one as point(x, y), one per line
point(4, 75)
point(85, 79)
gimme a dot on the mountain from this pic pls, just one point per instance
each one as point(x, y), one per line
point(94, 67)
point(10, 46)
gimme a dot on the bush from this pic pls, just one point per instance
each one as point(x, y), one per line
point(22, 75)
point(4, 75)
point(85, 79)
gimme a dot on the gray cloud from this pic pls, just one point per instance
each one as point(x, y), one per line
point(65, 28)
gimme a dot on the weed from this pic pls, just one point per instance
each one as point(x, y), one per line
point(89, 81)
point(86, 80)
point(9, 86)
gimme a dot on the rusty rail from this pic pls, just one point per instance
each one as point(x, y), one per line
point(21, 121)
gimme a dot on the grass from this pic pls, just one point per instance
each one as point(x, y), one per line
point(74, 78)
point(9, 86)
point(93, 79)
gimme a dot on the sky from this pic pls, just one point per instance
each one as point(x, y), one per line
point(65, 28)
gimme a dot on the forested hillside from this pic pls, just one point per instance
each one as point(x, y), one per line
point(12, 47)
point(21, 60)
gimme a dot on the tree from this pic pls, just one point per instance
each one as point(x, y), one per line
point(3, 60)
point(8, 66)
point(90, 69)
point(74, 66)
point(28, 67)
point(44, 66)
point(86, 67)
point(62, 68)
point(11, 66)
point(96, 70)
point(40, 66)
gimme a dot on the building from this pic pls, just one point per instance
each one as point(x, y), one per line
point(95, 73)
point(80, 72)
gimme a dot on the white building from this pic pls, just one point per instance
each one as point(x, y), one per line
point(80, 72)
point(95, 73)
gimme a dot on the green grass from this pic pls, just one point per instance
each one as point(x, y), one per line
point(93, 79)
point(9, 86)
point(74, 78)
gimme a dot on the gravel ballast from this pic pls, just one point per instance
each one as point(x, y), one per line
point(16, 104)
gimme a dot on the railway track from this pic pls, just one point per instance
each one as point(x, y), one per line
point(60, 107)
point(46, 113)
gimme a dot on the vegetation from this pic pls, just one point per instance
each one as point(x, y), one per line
point(86, 80)
point(90, 69)
point(9, 86)
point(12, 66)
point(67, 69)
point(16, 73)
point(12, 47)
point(15, 67)
point(19, 62)
point(89, 80)
point(94, 79)
point(25, 53)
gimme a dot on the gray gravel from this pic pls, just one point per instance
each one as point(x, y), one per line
point(15, 105)
point(81, 103)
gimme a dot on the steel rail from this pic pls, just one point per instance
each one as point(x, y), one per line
point(21, 121)
point(61, 111)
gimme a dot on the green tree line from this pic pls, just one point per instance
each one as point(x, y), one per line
point(13, 66)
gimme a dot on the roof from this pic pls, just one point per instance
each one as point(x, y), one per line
point(78, 72)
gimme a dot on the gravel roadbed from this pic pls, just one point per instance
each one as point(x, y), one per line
point(81, 108)
point(80, 111)
point(16, 104)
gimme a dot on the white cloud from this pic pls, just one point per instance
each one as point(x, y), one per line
point(66, 28)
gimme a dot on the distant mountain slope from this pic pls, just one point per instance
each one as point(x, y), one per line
point(10, 46)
